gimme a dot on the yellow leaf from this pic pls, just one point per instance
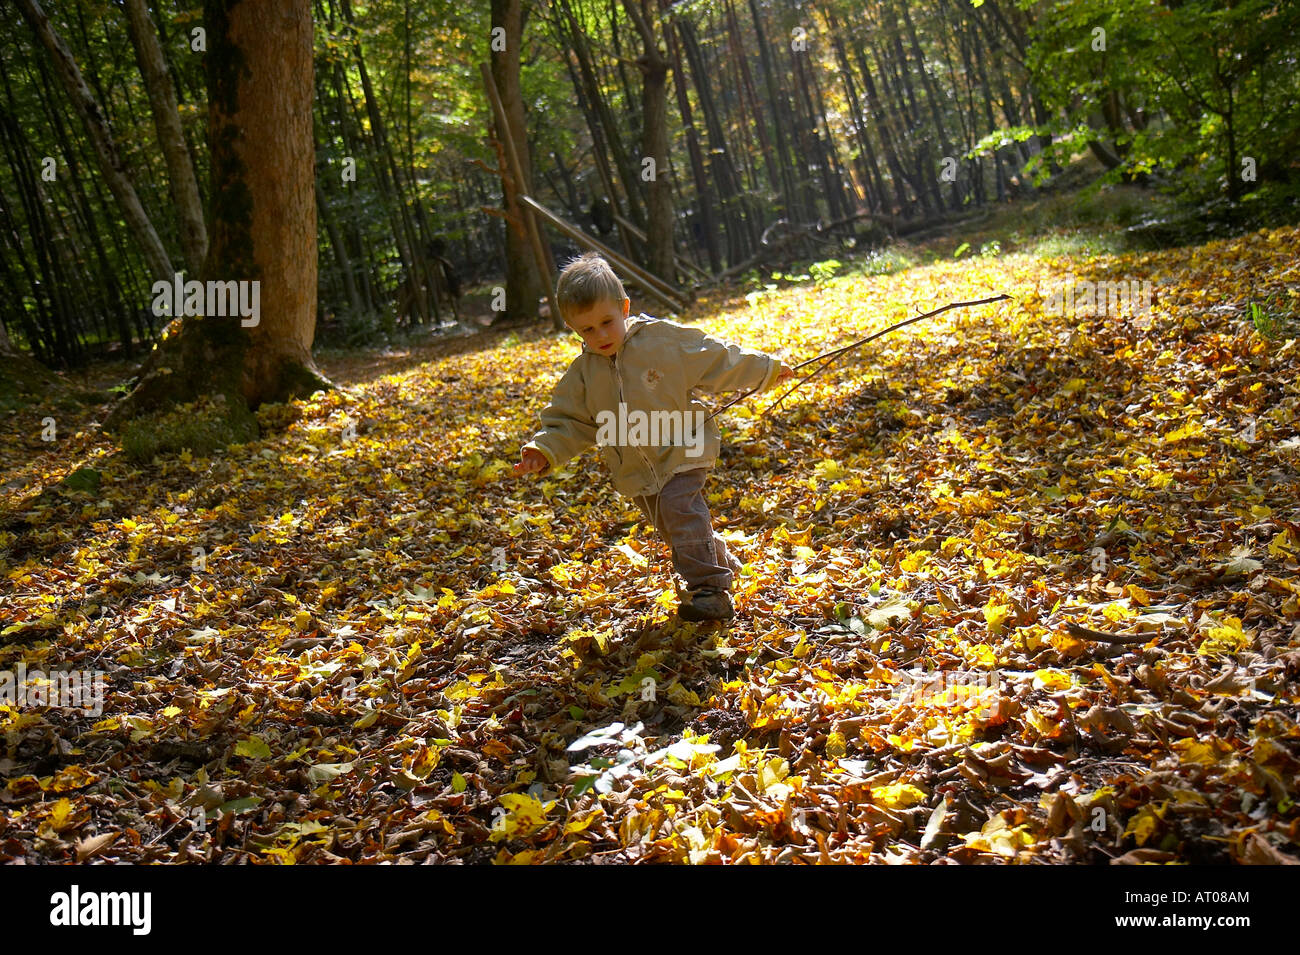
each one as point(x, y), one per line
point(914, 562)
point(581, 822)
point(524, 816)
point(995, 614)
point(1226, 638)
point(772, 772)
point(1044, 725)
point(1138, 595)
point(897, 796)
point(1066, 644)
point(69, 778)
point(58, 817)
point(637, 559)
point(1143, 825)
point(830, 470)
point(254, 747)
point(1192, 429)
point(1052, 680)
point(1282, 545)
point(1195, 751)
point(1117, 612)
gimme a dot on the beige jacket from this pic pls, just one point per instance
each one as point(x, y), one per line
point(661, 429)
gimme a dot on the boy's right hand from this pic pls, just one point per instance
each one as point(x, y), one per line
point(531, 461)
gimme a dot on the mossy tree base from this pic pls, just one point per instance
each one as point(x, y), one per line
point(210, 364)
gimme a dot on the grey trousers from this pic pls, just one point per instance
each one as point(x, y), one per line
point(680, 514)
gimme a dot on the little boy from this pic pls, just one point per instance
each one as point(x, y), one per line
point(629, 393)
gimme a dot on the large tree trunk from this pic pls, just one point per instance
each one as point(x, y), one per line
point(263, 217)
point(523, 284)
point(180, 167)
point(110, 160)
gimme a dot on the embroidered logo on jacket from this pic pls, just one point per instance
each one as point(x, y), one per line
point(652, 377)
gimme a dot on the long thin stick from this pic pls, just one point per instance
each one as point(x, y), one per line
point(830, 356)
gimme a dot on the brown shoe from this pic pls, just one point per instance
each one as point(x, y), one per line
point(706, 603)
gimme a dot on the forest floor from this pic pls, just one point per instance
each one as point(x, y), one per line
point(1021, 585)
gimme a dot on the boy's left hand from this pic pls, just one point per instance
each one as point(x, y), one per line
point(786, 372)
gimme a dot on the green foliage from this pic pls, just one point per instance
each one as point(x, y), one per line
point(83, 479)
point(201, 427)
point(1273, 321)
point(825, 271)
point(1201, 89)
point(1074, 244)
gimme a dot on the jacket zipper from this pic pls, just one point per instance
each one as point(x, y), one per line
point(618, 377)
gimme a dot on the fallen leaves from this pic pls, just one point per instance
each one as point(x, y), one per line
point(1018, 587)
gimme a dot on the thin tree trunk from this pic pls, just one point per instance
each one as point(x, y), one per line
point(340, 250)
point(628, 171)
point(932, 99)
point(742, 230)
point(871, 168)
point(780, 118)
point(887, 141)
point(654, 145)
point(107, 278)
point(167, 121)
point(702, 198)
point(110, 161)
point(896, 103)
point(989, 120)
point(748, 96)
point(407, 237)
point(52, 285)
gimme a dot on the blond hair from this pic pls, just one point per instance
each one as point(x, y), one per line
point(584, 282)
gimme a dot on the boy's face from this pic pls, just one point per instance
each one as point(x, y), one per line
point(602, 325)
